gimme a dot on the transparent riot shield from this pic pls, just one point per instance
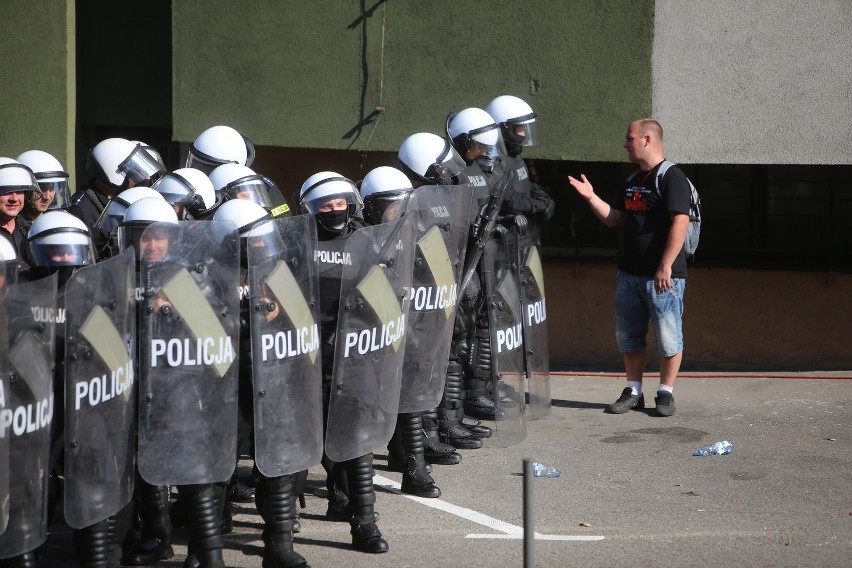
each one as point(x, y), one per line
point(28, 322)
point(285, 345)
point(371, 336)
point(534, 313)
point(441, 239)
point(503, 301)
point(100, 392)
point(188, 369)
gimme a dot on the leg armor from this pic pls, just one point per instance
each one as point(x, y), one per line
point(274, 498)
point(366, 536)
point(451, 410)
point(202, 505)
point(25, 560)
point(480, 401)
point(99, 546)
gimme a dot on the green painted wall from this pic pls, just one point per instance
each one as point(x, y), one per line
point(309, 74)
point(36, 89)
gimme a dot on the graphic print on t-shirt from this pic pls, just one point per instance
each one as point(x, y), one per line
point(638, 199)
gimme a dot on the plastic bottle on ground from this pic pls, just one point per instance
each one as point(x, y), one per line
point(718, 449)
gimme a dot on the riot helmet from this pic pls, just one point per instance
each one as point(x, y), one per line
point(219, 145)
point(189, 191)
point(53, 192)
point(384, 191)
point(474, 135)
point(123, 164)
point(255, 227)
point(428, 158)
point(16, 177)
point(332, 199)
point(516, 120)
point(58, 239)
point(151, 245)
point(234, 181)
point(153, 152)
point(115, 209)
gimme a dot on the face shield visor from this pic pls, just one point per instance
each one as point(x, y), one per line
point(253, 188)
point(63, 246)
point(386, 206)
point(447, 168)
point(260, 240)
point(150, 243)
point(52, 193)
point(140, 168)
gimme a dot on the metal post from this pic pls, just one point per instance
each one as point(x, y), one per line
point(529, 522)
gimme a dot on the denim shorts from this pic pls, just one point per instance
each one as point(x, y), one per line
point(637, 303)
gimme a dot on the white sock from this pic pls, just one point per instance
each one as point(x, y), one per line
point(635, 386)
point(664, 388)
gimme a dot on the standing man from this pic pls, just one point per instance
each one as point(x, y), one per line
point(651, 263)
point(17, 182)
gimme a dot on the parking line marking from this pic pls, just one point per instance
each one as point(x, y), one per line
point(509, 531)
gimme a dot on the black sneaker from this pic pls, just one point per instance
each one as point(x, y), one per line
point(665, 403)
point(626, 401)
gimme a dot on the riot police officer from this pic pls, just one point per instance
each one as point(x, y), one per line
point(219, 145)
point(53, 192)
point(334, 203)
point(190, 192)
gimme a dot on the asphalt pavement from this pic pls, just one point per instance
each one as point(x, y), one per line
point(630, 492)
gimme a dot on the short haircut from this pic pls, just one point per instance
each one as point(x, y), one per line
point(650, 126)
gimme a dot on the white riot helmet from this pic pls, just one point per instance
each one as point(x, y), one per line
point(58, 238)
point(115, 209)
point(139, 216)
point(123, 163)
point(516, 119)
point(52, 179)
point(234, 181)
point(428, 158)
point(15, 177)
point(255, 227)
point(190, 189)
point(332, 199)
point(473, 131)
point(220, 145)
point(8, 262)
point(382, 188)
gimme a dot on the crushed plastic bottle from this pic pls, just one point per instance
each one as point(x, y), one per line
point(718, 449)
point(541, 470)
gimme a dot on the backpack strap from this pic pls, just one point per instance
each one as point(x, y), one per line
point(661, 171)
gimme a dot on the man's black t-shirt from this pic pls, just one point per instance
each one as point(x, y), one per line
point(646, 228)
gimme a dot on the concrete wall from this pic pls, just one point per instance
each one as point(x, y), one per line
point(754, 82)
point(733, 319)
point(309, 74)
point(37, 89)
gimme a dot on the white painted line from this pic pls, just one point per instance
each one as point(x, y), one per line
point(509, 531)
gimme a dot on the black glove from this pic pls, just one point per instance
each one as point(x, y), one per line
point(519, 222)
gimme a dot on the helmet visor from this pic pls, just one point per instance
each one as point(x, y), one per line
point(254, 188)
point(51, 194)
point(141, 167)
point(65, 246)
point(523, 130)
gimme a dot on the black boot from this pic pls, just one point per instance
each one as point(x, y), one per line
point(153, 545)
point(99, 545)
point(435, 451)
point(202, 506)
point(415, 479)
point(451, 410)
point(335, 484)
point(274, 498)
point(475, 426)
point(366, 536)
point(25, 560)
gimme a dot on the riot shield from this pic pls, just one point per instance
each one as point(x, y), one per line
point(503, 301)
point(371, 336)
point(29, 316)
point(285, 346)
point(100, 393)
point(441, 240)
point(534, 313)
point(188, 369)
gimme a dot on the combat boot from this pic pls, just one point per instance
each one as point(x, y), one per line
point(366, 536)
point(274, 498)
